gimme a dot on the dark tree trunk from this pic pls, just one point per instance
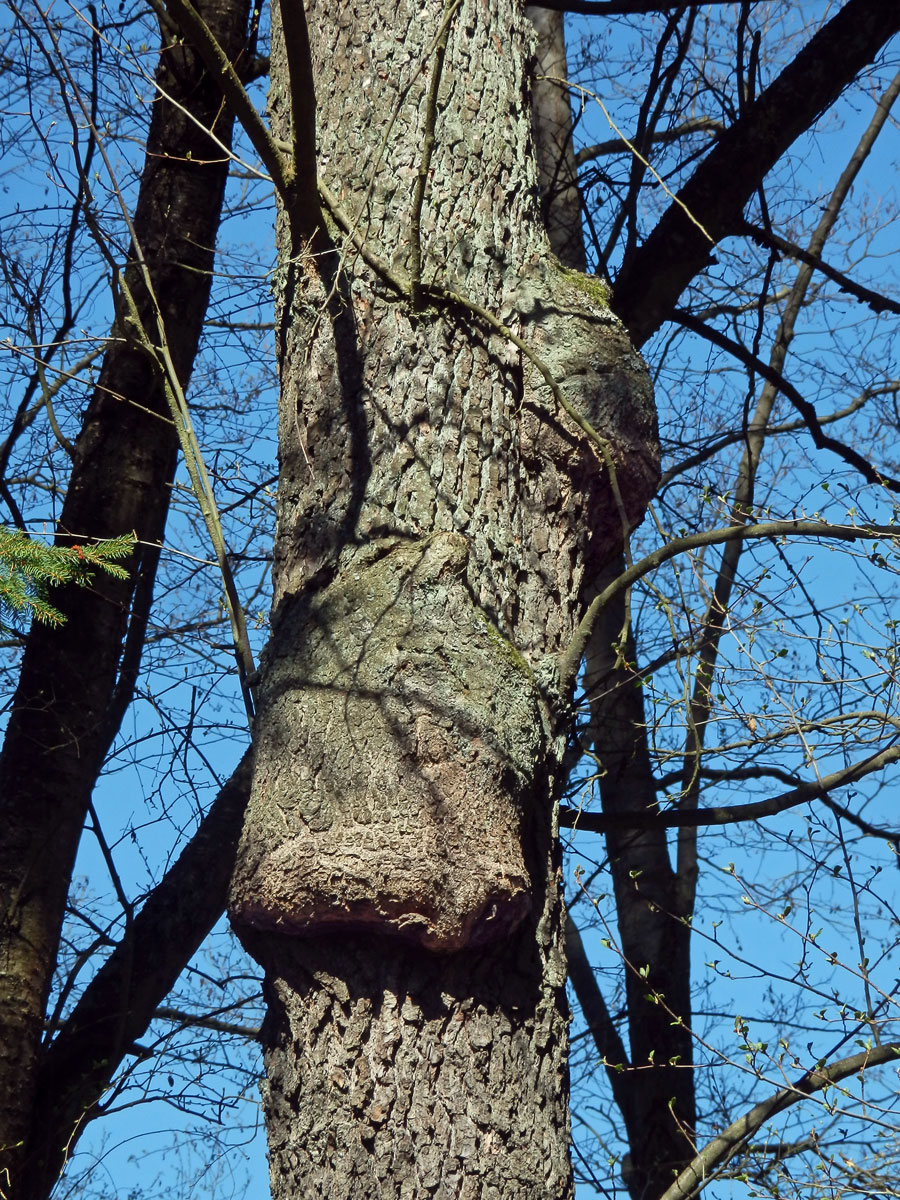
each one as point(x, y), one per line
point(552, 124)
point(439, 517)
point(657, 1101)
point(654, 930)
point(76, 681)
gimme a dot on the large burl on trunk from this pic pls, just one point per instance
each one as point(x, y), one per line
point(441, 516)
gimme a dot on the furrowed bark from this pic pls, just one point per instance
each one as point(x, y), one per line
point(438, 519)
point(70, 697)
point(654, 276)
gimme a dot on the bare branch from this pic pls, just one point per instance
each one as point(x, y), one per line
point(660, 137)
point(703, 1169)
point(756, 810)
point(738, 436)
point(569, 660)
point(807, 410)
point(655, 275)
point(122, 998)
point(595, 1011)
point(620, 8)
point(219, 66)
point(767, 238)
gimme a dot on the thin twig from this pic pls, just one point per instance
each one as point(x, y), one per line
point(158, 352)
point(754, 810)
point(415, 217)
point(571, 656)
point(219, 66)
point(703, 1169)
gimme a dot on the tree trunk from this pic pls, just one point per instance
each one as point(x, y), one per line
point(76, 681)
point(657, 1105)
point(654, 933)
point(552, 125)
point(439, 515)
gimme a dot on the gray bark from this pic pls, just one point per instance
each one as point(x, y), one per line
point(439, 516)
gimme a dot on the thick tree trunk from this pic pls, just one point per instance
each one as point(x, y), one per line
point(439, 514)
point(76, 681)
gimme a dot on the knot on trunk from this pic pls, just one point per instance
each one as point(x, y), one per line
point(400, 734)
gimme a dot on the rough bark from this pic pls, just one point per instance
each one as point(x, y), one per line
point(76, 681)
point(438, 518)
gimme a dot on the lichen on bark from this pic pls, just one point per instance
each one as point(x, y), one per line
point(440, 518)
point(397, 758)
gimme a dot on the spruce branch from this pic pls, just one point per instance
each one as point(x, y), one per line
point(29, 568)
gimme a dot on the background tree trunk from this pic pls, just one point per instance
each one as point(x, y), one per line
point(657, 1104)
point(438, 518)
point(77, 681)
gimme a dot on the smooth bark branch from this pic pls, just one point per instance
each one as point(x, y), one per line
point(226, 77)
point(192, 456)
point(431, 100)
point(398, 280)
point(756, 810)
point(654, 276)
point(303, 95)
point(122, 998)
point(705, 1167)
